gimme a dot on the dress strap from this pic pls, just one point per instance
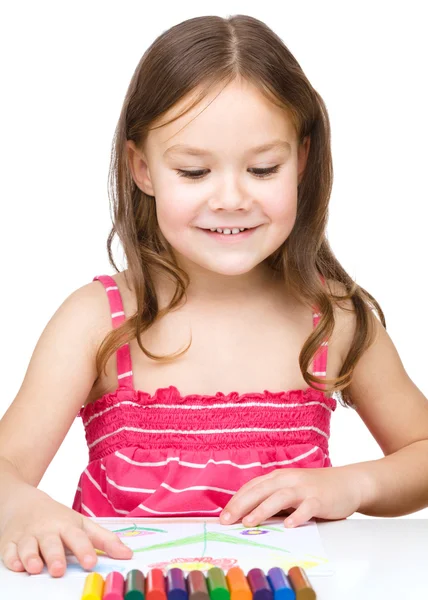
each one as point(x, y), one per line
point(320, 357)
point(124, 363)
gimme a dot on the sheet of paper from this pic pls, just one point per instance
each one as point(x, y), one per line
point(203, 543)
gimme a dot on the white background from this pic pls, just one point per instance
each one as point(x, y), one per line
point(65, 68)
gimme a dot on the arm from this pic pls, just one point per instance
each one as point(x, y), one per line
point(395, 485)
point(59, 378)
point(34, 528)
point(396, 413)
point(12, 487)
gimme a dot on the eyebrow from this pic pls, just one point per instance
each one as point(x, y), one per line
point(185, 149)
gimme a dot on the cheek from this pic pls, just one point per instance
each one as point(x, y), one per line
point(173, 202)
point(175, 213)
point(280, 205)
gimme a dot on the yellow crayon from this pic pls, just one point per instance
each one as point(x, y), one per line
point(94, 587)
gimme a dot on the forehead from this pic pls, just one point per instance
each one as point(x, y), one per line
point(236, 117)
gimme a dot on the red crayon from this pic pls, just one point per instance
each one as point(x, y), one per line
point(156, 589)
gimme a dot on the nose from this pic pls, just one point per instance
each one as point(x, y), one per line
point(230, 196)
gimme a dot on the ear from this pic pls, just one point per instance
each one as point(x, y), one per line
point(303, 152)
point(138, 166)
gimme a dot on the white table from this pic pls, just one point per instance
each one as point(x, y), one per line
point(374, 559)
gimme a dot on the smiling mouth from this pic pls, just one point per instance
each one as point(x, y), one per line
point(236, 233)
point(228, 230)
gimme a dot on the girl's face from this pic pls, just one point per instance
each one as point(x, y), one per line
point(228, 188)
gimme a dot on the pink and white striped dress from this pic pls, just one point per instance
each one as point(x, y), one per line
point(169, 455)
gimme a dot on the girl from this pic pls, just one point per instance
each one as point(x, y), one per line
point(222, 174)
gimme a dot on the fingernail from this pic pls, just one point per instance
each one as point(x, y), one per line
point(289, 523)
point(225, 516)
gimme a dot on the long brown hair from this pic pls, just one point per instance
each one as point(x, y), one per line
point(201, 54)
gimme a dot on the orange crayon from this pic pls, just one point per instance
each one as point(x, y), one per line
point(238, 584)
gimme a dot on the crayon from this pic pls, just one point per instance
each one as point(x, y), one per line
point(93, 588)
point(197, 586)
point(301, 584)
point(282, 589)
point(134, 585)
point(176, 584)
point(259, 585)
point(155, 585)
point(238, 584)
point(114, 586)
point(217, 585)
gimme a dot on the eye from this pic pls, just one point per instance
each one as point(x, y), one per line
point(259, 173)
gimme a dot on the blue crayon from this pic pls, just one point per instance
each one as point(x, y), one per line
point(280, 584)
point(176, 585)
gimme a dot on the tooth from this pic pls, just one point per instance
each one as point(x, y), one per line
point(227, 231)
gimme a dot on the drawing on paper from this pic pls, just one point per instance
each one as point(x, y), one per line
point(202, 545)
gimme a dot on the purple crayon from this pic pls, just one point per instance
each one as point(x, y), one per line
point(259, 585)
point(176, 585)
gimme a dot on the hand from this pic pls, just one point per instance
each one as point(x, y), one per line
point(38, 527)
point(328, 493)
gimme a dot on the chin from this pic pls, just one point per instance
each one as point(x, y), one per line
point(230, 268)
point(228, 265)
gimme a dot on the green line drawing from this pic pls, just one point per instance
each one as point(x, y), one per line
point(210, 536)
point(135, 528)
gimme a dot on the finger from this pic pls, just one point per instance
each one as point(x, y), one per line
point(11, 559)
point(307, 509)
point(28, 553)
point(244, 501)
point(229, 508)
point(80, 545)
point(52, 550)
point(106, 540)
point(276, 501)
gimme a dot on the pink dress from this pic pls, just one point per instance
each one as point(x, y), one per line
point(169, 455)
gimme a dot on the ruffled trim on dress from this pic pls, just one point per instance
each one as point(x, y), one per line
point(171, 395)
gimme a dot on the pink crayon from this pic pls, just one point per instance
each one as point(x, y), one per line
point(114, 586)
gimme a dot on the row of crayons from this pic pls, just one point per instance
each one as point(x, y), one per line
point(235, 585)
